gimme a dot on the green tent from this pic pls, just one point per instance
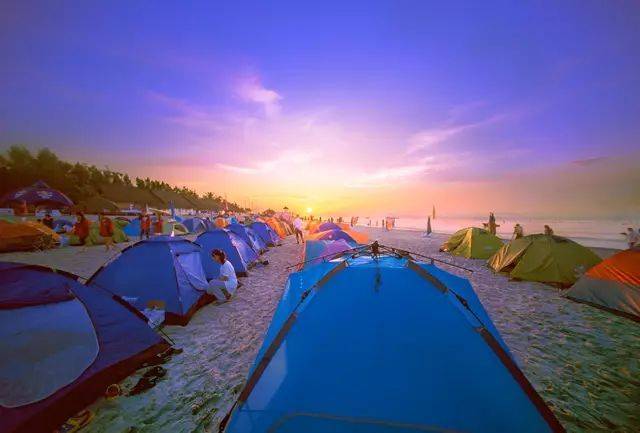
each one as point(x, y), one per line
point(95, 238)
point(472, 243)
point(547, 259)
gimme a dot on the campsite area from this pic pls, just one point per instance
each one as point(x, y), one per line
point(581, 360)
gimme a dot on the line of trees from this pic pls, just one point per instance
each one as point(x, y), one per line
point(20, 168)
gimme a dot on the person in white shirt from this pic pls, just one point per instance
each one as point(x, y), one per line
point(226, 284)
point(297, 225)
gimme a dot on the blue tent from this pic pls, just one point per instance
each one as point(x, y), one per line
point(237, 251)
point(266, 233)
point(256, 239)
point(163, 269)
point(38, 194)
point(385, 344)
point(248, 236)
point(195, 225)
point(62, 344)
point(60, 225)
point(132, 229)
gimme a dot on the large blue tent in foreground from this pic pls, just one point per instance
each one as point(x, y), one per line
point(62, 344)
point(385, 344)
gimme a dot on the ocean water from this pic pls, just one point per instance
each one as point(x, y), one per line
point(589, 232)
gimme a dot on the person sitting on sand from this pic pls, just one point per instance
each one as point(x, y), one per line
point(633, 237)
point(106, 231)
point(224, 286)
point(548, 230)
point(81, 228)
point(297, 225)
point(518, 231)
point(48, 220)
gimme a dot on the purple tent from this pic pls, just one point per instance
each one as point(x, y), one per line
point(328, 226)
point(39, 194)
point(333, 235)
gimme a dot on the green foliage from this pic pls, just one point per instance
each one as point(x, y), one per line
point(20, 168)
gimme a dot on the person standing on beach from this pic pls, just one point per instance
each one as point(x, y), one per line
point(158, 227)
point(548, 230)
point(223, 286)
point(106, 231)
point(492, 223)
point(633, 237)
point(518, 231)
point(297, 225)
point(145, 226)
point(81, 229)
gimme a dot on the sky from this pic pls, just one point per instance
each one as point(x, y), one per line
point(351, 108)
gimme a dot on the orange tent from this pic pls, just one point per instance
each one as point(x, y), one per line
point(220, 222)
point(23, 237)
point(43, 229)
point(312, 226)
point(277, 227)
point(344, 226)
point(613, 285)
point(359, 237)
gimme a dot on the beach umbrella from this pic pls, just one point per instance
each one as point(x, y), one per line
point(38, 194)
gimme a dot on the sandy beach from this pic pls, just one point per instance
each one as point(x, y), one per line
point(581, 360)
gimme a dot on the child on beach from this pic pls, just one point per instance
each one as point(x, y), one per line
point(224, 286)
point(106, 231)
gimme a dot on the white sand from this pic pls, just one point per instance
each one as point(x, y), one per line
point(584, 362)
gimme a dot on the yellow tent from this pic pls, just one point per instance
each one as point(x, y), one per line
point(23, 237)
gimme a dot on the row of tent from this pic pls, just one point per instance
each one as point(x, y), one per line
point(612, 284)
point(172, 273)
point(389, 358)
point(18, 235)
point(68, 341)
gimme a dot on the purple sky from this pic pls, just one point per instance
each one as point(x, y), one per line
point(375, 106)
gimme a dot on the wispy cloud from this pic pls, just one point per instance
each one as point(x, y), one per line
point(386, 175)
point(286, 160)
point(251, 89)
point(428, 138)
point(590, 161)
